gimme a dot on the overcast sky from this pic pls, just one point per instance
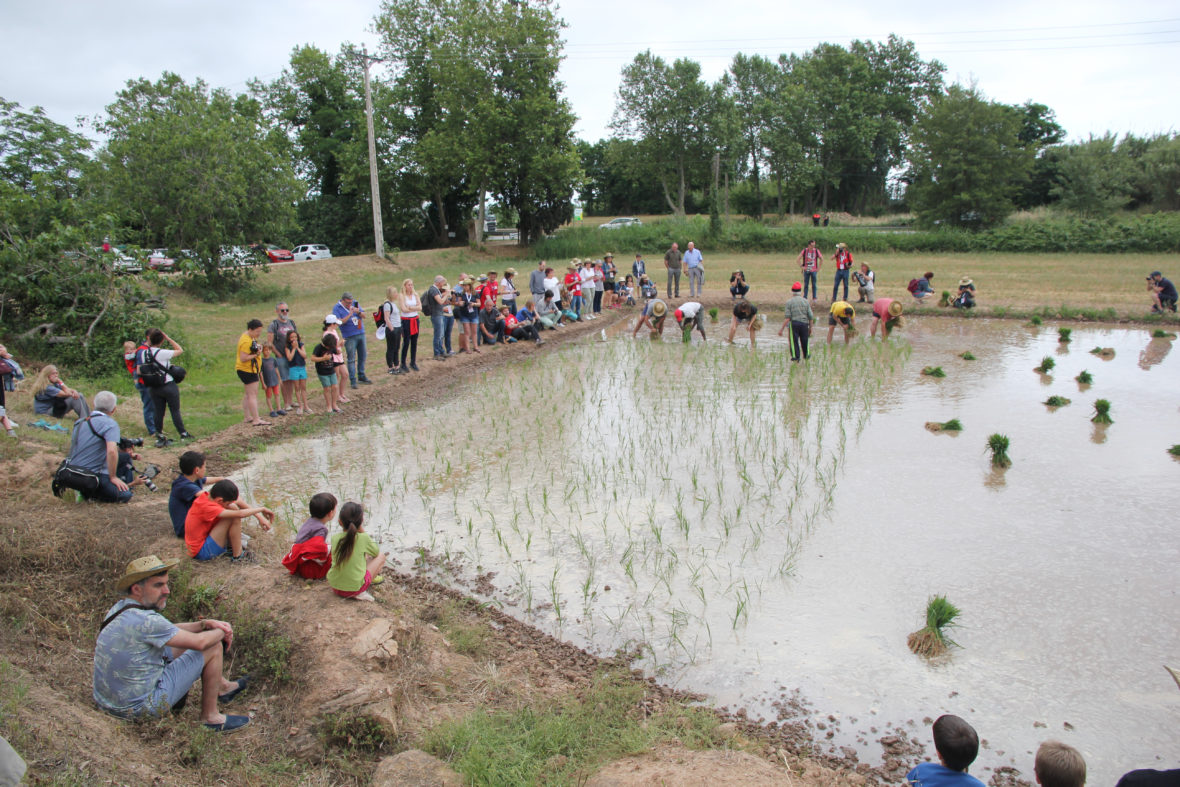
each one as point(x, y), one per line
point(1099, 65)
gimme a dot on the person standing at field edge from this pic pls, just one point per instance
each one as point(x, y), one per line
point(537, 282)
point(693, 263)
point(843, 269)
point(799, 318)
point(672, 262)
point(810, 260)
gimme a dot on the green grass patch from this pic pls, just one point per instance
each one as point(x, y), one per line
point(561, 743)
point(1160, 333)
point(1047, 364)
point(1102, 412)
point(998, 444)
point(1056, 401)
point(359, 734)
point(932, 639)
point(934, 371)
point(967, 356)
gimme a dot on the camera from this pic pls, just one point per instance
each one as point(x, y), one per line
point(148, 473)
point(254, 347)
point(127, 443)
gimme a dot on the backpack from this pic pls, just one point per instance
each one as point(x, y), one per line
point(151, 371)
point(912, 286)
point(379, 316)
point(428, 302)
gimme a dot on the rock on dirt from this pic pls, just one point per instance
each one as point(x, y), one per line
point(415, 767)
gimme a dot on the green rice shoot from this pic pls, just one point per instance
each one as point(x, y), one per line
point(1175, 450)
point(967, 356)
point(998, 445)
point(1047, 364)
point(1063, 335)
point(934, 371)
point(713, 312)
point(1056, 401)
point(1035, 320)
point(931, 639)
point(1084, 378)
point(1102, 412)
point(952, 425)
point(1160, 333)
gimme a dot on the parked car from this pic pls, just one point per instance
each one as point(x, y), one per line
point(240, 257)
point(273, 252)
point(120, 261)
point(623, 221)
point(311, 251)
point(159, 260)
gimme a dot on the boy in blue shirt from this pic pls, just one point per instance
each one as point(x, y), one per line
point(958, 745)
point(186, 487)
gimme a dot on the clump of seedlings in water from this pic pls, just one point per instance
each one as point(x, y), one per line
point(945, 300)
point(1105, 353)
point(1084, 378)
point(1035, 320)
point(713, 312)
point(1174, 450)
point(1063, 335)
point(1046, 366)
point(967, 356)
point(952, 425)
point(1160, 333)
point(931, 639)
point(1102, 412)
point(998, 445)
point(1056, 401)
point(934, 371)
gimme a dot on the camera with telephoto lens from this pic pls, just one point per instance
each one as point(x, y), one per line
point(254, 347)
point(148, 473)
point(127, 443)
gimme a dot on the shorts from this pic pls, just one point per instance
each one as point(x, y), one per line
point(834, 320)
point(210, 549)
point(247, 377)
point(327, 380)
point(283, 368)
point(469, 320)
point(174, 684)
point(354, 593)
point(298, 373)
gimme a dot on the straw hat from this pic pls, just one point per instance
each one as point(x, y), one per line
point(659, 309)
point(571, 267)
point(965, 281)
point(895, 309)
point(610, 255)
point(508, 271)
point(841, 246)
point(142, 568)
point(759, 322)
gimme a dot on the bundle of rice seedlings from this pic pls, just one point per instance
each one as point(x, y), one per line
point(945, 300)
point(1084, 377)
point(1056, 401)
point(1034, 320)
point(934, 371)
point(1102, 412)
point(931, 639)
point(713, 312)
point(1063, 334)
point(1046, 366)
point(952, 425)
point(998, 445)
point(1174, 450)
point(1160, 333)
point(1105, 353)
point(967, 356)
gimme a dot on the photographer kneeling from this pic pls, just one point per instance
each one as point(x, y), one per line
point(95, 466)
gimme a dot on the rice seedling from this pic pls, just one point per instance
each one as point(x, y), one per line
point(1102, 412)
point(967, 356)
point(1063, 335)
point(1160, 333)
point(1047, 364)
point(713, 313)
point(1056, 401)
point(1174, 450)
point(934, 371)
point(998, 445)
point(945, 300)
point(1105, 353)
point(1035, 320)
point(931, 639)
point(952, 425)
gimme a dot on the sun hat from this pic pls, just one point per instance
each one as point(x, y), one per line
point(483, 278)
point(659, 309)
point(142, 568)
point(331, 319)
point(895, 309)
point(510, 270)
point(571, 267)
point(610, 255)
point(963, 282)
point(796, 287)
point(841, 246)
point(759, 322)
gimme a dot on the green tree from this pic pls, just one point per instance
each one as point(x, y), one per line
point(190, 168)
point(1093, 178)
point(1161, 167)
point(967, 160)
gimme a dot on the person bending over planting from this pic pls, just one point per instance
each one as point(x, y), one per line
point(744, 312)
point(844, 315)
point(653, 315)
point(887, 313)
point(690, 315)
point(213, 526)
point(957, 745)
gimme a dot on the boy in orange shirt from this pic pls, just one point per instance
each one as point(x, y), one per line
point(212, 527)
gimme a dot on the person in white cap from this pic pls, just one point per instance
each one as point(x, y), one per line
point(144, 665)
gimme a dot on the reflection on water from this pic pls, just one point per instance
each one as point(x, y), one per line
point(760, 523)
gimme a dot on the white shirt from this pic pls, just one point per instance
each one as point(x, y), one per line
point(690, 309)
point(553, 285)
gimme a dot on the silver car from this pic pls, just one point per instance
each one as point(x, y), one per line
point(623, 221)
point(311, 251)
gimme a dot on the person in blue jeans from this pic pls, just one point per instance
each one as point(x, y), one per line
point(440, 299)
point(352, 329)
point(810, 260)
point(145, 396)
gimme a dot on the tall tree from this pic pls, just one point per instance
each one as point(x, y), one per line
point(750, 89)
point(967, 160)
point(1093, 178)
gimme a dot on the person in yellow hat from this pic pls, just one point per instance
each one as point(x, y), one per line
point(144, 665)
point(654, 313)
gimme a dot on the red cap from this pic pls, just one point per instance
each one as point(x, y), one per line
point(679, 314)
point(796, 287)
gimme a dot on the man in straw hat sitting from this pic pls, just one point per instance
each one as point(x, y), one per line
point(965, 299)
point(145, 665)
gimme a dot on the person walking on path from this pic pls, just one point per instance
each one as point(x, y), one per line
point(352, 328)
point(810, 260)
point(843, 269)
point(672, 262)
point(799, 319)
point(693, 263)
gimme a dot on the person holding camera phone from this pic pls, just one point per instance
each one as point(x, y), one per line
point(248, 367)
point(166, 396)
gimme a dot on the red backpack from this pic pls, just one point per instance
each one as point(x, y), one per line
point(912, 286)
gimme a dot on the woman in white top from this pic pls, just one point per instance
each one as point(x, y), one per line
point(865, 281)
point(168, 394)
point(508, 289)
point(409, 304)
point(392, 314)
point(553, 285)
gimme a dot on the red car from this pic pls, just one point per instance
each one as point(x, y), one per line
point(159, 260)
point(273, 252)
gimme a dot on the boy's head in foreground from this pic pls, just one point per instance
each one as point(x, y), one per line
point(956, 741)
point(1059, 765)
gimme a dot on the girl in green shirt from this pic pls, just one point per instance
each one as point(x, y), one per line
point(356, 560)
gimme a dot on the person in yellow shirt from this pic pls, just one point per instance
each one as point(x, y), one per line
point(842, 314)
point(248, 367)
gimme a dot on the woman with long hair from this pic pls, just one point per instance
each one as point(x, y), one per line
point(410, 304)
point(51, 396)
point(356, 560)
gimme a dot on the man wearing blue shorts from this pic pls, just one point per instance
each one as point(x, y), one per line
point(144, 665)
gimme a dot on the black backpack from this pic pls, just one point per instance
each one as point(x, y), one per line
point(151, 371)
point(428, 302)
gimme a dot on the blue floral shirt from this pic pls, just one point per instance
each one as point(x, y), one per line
point(129, 658)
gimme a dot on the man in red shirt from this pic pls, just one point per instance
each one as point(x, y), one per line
point(573, 283)
point(810, 260)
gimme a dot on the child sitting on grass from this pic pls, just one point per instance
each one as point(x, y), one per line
point(356, 561)
point(957, 745)
point(1059, 765)
point(214, 526)
point(188, 485)
point(309, 556)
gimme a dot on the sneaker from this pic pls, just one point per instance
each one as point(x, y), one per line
point(540, 340)
point(246, 557)
point(162, 441)
point(366, 381)
point(353, 386)
point(279, 412)
point(512, 340)
point(274, 414)
point(405, 369)
point(186, 436)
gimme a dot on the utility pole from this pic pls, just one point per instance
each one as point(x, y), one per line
point(375, 188)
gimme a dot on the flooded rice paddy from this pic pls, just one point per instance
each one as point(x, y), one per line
point(743, 524)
